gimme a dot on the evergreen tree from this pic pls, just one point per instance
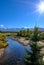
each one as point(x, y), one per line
point(34, 57)
point(35, 37)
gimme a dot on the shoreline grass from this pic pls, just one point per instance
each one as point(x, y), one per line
point(3, 42)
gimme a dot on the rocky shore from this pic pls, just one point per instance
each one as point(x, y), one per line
point(21, 40)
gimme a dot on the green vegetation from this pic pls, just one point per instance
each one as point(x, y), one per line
point(34, 37)
point(25, 33)
point(41, 35)
point(31, 58)
point(3, 42)
point(29, 34)
point(13, 34)
point(35, 57)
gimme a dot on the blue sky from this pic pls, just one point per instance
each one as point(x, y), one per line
point(20, 13)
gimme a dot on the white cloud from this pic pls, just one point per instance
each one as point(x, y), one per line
point(1, 25)
point(26, 27)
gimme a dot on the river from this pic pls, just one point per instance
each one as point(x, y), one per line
point(15, 51)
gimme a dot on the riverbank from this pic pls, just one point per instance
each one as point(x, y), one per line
point(22, 40)
point(40, 43)
point(26, 42)
point(1, 52)
point(3, 42)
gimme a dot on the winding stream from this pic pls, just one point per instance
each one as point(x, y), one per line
point(14, 51)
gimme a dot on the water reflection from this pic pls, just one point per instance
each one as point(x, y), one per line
point(14, 51)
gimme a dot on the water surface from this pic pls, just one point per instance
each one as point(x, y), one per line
point(15, 51)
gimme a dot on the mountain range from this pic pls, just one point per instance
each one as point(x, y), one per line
point(17, 29)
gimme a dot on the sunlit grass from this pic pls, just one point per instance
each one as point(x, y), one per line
point(3, 42)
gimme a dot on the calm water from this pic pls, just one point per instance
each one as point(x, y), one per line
point(14, 51)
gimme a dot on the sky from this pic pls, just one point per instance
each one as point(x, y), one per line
point(20, 13)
